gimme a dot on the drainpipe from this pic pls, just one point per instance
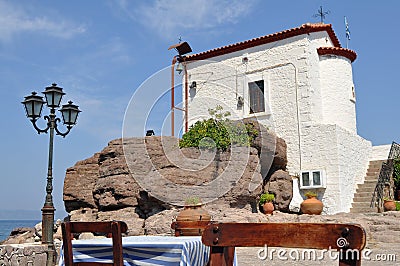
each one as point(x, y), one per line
point(186, 99)
point(297, 100)
point(174, 60)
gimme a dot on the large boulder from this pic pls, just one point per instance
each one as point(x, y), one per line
point(143, 180)
point(271, 149)
point(21, 235)
point(280, 184)
point(79, 183)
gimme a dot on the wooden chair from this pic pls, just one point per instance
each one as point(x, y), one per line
point(224, 237)
point(189, 228)
point(113, 229)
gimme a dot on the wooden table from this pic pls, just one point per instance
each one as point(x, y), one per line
point(144, 250)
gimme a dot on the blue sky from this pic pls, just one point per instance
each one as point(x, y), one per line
point(101, 51)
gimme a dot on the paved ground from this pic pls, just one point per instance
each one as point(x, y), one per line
point(249, 257)
point(383, 240)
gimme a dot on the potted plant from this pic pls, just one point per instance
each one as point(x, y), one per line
point(193, 211)
point(265, 201)
point(311, 205)
point(389, 204)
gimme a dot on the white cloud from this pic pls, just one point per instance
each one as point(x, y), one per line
point(171, 17)
point(15, 20)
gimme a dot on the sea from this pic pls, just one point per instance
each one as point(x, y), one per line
point(6, 226)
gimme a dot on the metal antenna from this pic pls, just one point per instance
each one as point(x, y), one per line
point(321, 14)
point(180, 39)
point(347, 32)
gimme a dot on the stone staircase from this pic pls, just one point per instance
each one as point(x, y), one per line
point(363, 196)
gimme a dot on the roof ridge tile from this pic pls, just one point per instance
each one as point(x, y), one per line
point(306, 28)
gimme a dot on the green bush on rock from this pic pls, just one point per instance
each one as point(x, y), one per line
point(218, 132)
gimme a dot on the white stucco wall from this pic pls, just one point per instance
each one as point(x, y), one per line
point(308, 104)
point(284, 67)
point(380, 152)
point(344, 157)
point(336, 80)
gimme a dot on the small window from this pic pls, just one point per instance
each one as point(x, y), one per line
point(312, 179)
point(306, 178)
point(256, 94)
point(353, 95)
point(316, 178)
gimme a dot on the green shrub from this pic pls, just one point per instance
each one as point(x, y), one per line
point(218, 132)
point(193, 201)
point(397, 206)
point(266, 197)
point(310, 194)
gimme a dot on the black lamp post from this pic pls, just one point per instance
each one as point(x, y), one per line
point(33, 107)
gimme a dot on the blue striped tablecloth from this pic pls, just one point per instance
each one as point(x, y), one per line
point(144, 250)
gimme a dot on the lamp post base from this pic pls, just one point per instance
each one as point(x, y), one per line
point(47, 233)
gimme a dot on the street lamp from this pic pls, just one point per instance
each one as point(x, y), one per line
point(33, 107)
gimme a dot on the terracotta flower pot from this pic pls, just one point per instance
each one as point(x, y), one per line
point(193, 213)
point(268, 207)
point(311, 206)
point(389, 205)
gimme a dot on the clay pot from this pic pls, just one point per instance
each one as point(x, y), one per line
point(268, 207)
point(193, 213)
point(389, 205)
point(311, 206)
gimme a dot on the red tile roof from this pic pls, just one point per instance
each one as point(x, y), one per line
point(350, 54)
point(303, 29)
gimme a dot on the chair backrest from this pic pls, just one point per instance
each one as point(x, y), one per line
point(348, 239)
point(113, 229)
point(189, 228)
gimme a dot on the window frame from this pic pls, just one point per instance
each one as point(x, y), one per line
point(310, 173)
point(256, 96)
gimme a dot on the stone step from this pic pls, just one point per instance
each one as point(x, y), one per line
point(369, 186)
point(378, 167)
point(366, 188)
point(362, 210)
point(362, 199)
point(364, 194)
point(371, 176)
point(369, 190)
point(376, 163)
point(361, 204)
point(368, 183)
point(365, 191)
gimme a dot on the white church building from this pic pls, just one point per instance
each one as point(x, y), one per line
point(298, 83)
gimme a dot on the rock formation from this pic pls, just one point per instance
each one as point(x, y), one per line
point(143, 180)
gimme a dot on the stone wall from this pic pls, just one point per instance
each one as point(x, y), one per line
point(23, 255)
